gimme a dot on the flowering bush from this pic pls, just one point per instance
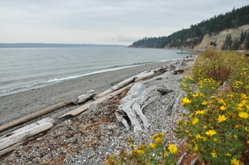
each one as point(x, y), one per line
point(156, 152)
point(218, 101)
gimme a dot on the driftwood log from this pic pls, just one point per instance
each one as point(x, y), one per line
point(84, 107)
point(33, 115)
point(136, 78)
point(132, 105)
point(11, 140)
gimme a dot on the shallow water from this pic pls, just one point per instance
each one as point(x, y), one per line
point(26, 68)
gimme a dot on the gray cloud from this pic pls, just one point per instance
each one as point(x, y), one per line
point(102, 21)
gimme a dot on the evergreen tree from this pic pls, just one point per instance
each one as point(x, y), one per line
point(228, 42)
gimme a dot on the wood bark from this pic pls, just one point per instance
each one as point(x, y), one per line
point(10, 141)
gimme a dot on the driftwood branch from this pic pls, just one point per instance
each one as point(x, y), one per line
point(84, 97)
point(181, 158)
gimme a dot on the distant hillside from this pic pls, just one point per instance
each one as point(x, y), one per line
point(45, 45)
point(193, 36)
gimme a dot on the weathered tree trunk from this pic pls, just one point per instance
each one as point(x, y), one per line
point(10, 141)
point(132, 105)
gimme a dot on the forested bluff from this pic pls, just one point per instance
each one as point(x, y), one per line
point(229, 31)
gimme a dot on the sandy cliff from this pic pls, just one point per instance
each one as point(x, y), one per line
point(220, 38)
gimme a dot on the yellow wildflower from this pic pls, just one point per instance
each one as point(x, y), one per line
point(198, 136)
point(200, 112)
point(214, 155)
point(223, 108)
point(234, 161)
point(228, 154)
point(204, 102)
point(158, 140)
point(243, 96)
point(166, 153)
point(140, 152)
point(243, 102)
point(205, 127)
point(201, 94)
point(172, 148)
point(221, 118)
point(195, 95)
point(221, 101)
point(213, 97)
point(195, 120)
point(155, 136)
point(210, 132)
point(185, 101)
point(240, 107)
point(243, 115)
point(152, 145)
point(196, 147)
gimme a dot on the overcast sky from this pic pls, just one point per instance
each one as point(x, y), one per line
point(102, 21)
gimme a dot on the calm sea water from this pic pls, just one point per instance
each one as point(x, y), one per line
point(26, 68)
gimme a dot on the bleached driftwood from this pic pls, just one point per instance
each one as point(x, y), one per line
point(10, 141)
point(84, 97)
point(84, 107)
point(33, 115)
point(136, 78)
point(194, 161)
point(132, 105)
point(181, 158)
point(116, 87)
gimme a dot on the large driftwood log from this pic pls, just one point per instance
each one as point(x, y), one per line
point(132, 105)
point(116, 87)
point(10, 141)
point(136, 78)
point(84, 97)
point(33, 115)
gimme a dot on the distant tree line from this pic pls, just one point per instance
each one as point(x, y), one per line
point(193, 35)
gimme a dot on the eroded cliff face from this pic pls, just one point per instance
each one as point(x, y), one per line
point(216, 41)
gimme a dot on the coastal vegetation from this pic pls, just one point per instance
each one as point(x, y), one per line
point(192, 36)
point(218, 101)
point(217, 123)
